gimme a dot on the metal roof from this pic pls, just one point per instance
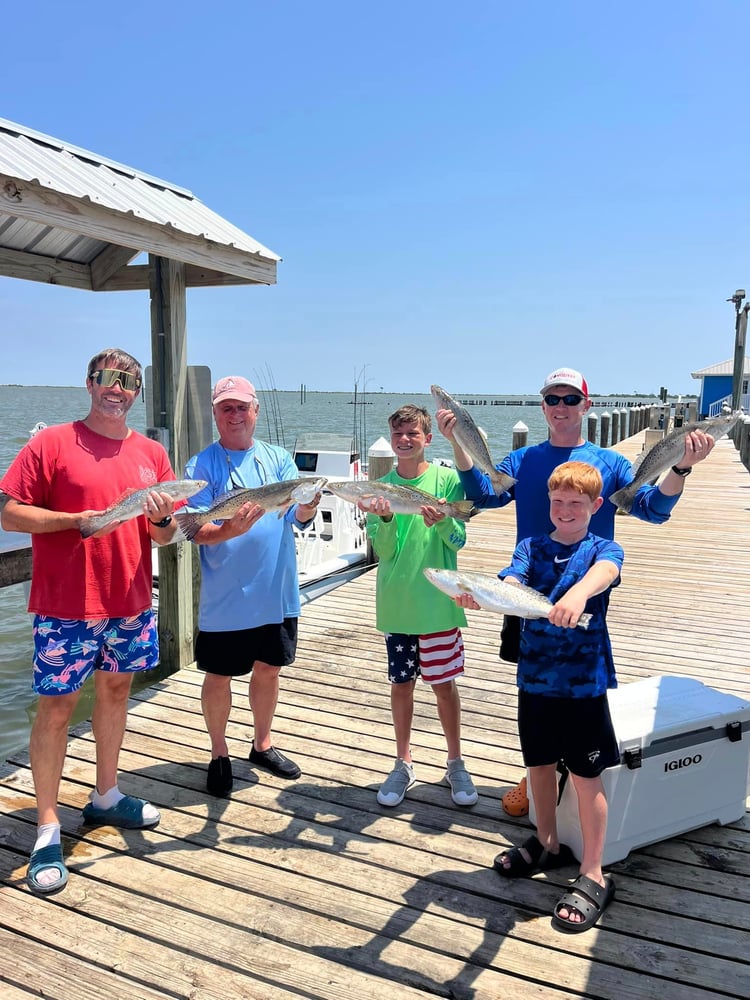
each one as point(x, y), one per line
point(62, 207)
point(722, 368)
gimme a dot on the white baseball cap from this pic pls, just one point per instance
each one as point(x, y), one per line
point(566, 376)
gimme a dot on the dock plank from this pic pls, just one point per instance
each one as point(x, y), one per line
point(310, 889)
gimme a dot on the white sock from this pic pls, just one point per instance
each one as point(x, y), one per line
point(108, 799)
point(48, 833)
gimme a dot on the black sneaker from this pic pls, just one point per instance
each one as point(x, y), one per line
point(219, 779)
point(275, 762)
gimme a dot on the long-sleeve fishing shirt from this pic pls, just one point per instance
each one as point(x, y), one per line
point(531, 467)
point(405, 599)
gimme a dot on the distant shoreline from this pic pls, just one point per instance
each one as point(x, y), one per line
point(457, 395)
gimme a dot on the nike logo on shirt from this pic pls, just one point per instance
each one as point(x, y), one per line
point(559, 560)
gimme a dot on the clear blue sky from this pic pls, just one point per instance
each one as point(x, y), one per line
point(465, 194)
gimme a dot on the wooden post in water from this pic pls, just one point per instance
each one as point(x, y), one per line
point(615, 426)
point(624, 424)
point(520, 436)
point(604, 430)
point(591, 427)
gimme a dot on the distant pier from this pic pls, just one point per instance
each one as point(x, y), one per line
point(609, 402)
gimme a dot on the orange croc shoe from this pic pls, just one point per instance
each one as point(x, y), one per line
point(516, 801)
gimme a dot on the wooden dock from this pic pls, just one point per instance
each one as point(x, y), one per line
point(310, 889)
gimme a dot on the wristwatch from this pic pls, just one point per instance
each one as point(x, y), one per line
point(163, 523)
point(682, 472)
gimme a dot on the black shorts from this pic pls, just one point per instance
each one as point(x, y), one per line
point(510, 639)
point(232, 654)
point(576, 731)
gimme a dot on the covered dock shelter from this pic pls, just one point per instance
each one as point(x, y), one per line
point(72, 217)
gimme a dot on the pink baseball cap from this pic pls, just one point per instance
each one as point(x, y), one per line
point(234, 387)
point(565, 376)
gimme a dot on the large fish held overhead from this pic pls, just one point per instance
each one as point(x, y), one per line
point(665, 453)
point(272, 496)
point(402, 499)
point(131, 505)
point(494, 594)
point(470, 438)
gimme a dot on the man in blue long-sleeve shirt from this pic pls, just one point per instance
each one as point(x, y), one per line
point(565, 402)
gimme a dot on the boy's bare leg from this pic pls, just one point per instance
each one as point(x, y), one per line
point(592, 815)
point(449, 713)
point(544, 788)
point(402, 711)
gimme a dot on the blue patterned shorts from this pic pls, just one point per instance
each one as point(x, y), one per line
point(68, 651)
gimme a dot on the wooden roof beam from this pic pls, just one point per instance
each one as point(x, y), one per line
point(109, 262)
point(49, 270)
point(136, 277)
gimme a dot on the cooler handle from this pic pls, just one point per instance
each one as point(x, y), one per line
point(633, 757)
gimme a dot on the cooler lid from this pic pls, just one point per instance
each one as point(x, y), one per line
point(658, 707)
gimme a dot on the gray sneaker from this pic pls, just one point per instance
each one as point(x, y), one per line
point(462, 787)
point(396, 785)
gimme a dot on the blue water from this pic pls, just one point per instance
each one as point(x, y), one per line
point(283, 416)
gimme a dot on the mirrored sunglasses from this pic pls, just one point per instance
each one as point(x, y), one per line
point(107, 377)
point(570, 400)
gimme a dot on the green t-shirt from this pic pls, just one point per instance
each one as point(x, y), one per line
point(405, 599)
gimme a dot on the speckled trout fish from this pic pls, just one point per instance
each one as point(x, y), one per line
point(666, 453)
point(402, 499)
point(494, 594)
point(131, 505)
point(471, 440)
point(272, 496)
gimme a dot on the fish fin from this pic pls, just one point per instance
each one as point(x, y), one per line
point(623, 499)
point(501, 482)
point(464, 510)
point(188, 525)
point(584, 621)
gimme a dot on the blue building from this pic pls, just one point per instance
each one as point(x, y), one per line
point(716, 387)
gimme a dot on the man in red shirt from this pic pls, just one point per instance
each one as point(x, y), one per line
point(91, 598)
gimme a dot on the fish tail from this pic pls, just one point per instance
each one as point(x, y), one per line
point(623, 499)
point(501, 482)
point(464, 510)
point(188, 526)
point(584, 621)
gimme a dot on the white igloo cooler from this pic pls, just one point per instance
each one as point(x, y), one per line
point(685, 763)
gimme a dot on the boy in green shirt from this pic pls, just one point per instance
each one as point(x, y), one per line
point(422, 626)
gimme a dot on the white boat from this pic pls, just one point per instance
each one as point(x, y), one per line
point(333, 548)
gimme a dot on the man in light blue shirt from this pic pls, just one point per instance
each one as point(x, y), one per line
point(249, 601)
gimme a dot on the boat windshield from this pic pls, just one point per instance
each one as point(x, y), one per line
point(343, 443)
